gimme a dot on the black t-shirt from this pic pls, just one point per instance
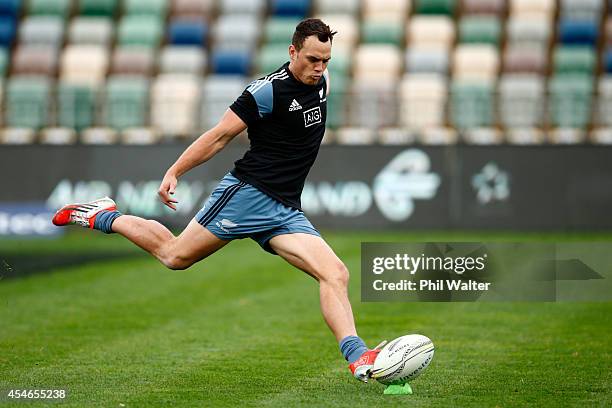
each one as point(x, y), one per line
point(286, 123)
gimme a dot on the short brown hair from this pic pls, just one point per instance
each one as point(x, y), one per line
point(308, 27)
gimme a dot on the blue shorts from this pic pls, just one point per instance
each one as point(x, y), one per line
point(237, 210)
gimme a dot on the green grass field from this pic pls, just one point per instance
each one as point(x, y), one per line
point(243, 328)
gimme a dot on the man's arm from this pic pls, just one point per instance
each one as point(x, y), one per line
point(201, 150)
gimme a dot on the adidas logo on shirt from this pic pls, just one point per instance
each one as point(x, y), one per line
point(294, 106)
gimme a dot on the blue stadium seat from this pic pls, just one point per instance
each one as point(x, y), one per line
point(290, 8)
point(7, 31)
point(231, 62)
point(187, 32)
point(10, 8)
point(578, 32)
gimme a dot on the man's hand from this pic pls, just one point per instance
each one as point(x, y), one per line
point(166, 190)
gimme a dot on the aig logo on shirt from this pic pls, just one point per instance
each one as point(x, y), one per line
point(312, 116)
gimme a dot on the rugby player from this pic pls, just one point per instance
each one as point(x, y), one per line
point(285, 115)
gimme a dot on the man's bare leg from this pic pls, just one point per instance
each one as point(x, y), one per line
point(312, 255)
point(193, 244)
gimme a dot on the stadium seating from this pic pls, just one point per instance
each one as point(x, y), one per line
point(372, 104)
point(581, 10)
point(387, 67)
point(99, 135)
point(520, 100)
point(27, 102)
point(139, 136)
point(76, 105)
point(188, 60)
point(479, 29)
point(42, 30)
point(402, 71)
point(35, 60)
point(17, 136)
point(58, 8)
point(482, 136)
point(570, 100)
point(476, 61)
point(106, 8)
point(91, 30)
point(340, 64)
point(197, 10)
point(140, 30)
point(270, 57)
point(484, 7)
point(427, 60)
point(290, 8)
point(524, 59)
point(577, 32)
point(231, 62)
point(524, 136)
point(435, 7)
point(349, 28)
point(7, 31)
point(237, 31)
point(431, 31)
point(382, 32)
point(175, 100)
point(574, 59)
point(155, 8)
point(607, 61)
point(278, 29)
point(390, 11)
point(396, 136)
point(84, 64)
point(471, 104)
point(128, 60)
point(601, 136)
point(4, 61)
point(355, 136)
point(244, 7)
point(187, 32)
point(58, 136)
point(346, 7)
point(1, 101)
point(604, 111)
point(10, 8)
point(422, 100)
point(126, 102)
point(534, 8)
point(337, 108)
point(566, 135)
point(530, 33)
point(218, 92)
point(438, 136)
point(9, 12)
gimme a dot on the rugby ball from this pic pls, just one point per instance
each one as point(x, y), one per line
point(403, 359)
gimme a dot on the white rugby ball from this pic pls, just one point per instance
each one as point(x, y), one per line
point(403, 359)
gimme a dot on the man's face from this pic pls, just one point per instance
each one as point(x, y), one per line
point(309, 63)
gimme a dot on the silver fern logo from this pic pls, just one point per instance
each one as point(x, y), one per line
point(406, 178)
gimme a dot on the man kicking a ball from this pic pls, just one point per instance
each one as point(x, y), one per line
point(285, 114)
